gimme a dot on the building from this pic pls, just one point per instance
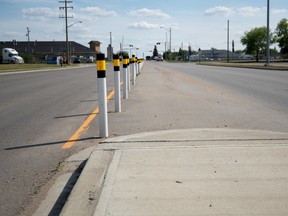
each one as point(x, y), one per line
point(42, 49)
point(214, 54)
point(110, 52)
point(95, 46)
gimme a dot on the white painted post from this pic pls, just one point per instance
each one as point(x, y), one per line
point(117, 83)
point(102, 97)
point(125, 77)
point(128, 75)
point(136, 66)
point(133, 70)
point(139, 65)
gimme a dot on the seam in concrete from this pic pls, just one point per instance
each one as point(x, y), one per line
point(200, 140)
point(102, 205)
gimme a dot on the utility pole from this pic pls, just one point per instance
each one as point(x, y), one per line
point(110, 49)
point(228, 41)
point(268, 35)
point(65, 16)
point(28, 36)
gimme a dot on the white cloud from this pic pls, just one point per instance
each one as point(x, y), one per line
point(99, 12)
point(143, 25)
point(219, 10)
point(279, 11)
point(250, 11)
point(145, 12)
point(40, 13)
point(11, 34)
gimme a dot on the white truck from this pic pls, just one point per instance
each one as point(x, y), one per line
point(10, 56)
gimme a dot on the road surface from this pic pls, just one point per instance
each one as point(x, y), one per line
point(40, 111)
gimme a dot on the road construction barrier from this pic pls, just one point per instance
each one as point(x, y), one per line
point(116, 62)
point(125, 77)
point(102, 98)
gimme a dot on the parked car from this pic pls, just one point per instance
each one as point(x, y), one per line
point(77, 60)
point(52, 60)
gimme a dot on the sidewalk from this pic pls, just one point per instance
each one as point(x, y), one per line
point(185, 172)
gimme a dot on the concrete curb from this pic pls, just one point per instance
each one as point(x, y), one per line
point(85, 194)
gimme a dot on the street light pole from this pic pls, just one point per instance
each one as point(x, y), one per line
point(170, 39)
point(170, 31)
point(268, 35)
point(74, 23)
point(68, 47)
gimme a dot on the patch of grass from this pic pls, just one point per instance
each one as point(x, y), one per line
point(246, 65)
point(24, 67)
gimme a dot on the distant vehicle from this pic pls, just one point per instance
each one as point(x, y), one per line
point(77, 60)
point(159, 58)
point(53, 60)
point(10, 56)
point(148, 58)
point(89, 59)
point(246, 57)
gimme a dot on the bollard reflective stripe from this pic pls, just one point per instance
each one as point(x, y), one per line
point(125, 62)
point(116, 62)
point(101, 66)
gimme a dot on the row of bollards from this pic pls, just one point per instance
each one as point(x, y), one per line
point(136, 66)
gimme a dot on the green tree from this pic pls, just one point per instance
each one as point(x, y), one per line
point(189, 50)
point(255, 41)
point(180, 54)
point(155, 51)
point(282, 35)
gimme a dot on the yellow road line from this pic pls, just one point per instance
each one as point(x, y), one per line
point(74, 138)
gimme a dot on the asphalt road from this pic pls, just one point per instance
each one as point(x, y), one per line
point(40, 111)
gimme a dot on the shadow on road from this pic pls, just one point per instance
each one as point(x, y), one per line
point(51, 143)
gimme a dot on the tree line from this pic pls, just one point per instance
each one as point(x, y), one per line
point(255, 39)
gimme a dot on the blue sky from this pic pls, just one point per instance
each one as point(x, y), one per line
point(202, 24)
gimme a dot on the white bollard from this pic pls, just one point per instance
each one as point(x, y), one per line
point(136, 66)
point(128, 74)
point(133, 70)
point(102, 97)
point(125, 77)
point(117, 83)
